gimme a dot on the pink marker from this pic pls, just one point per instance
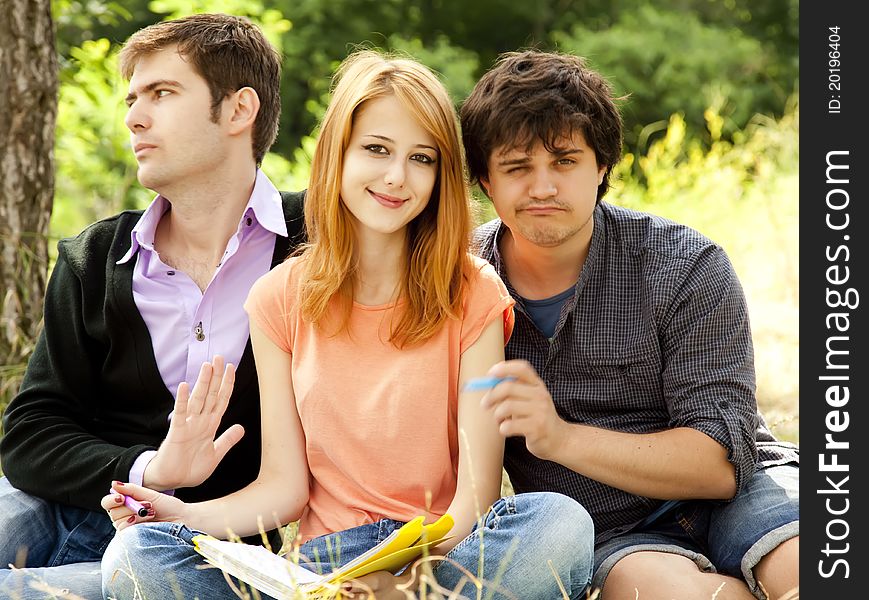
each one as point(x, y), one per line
point(132, 504)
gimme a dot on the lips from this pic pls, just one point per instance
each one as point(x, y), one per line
point(541, 209)
point(387, 200)
point(142, 147)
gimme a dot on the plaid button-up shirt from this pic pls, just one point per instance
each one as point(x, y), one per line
point(656, 336)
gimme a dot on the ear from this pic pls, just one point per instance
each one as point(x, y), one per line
point(484, 183)
point(601, 171)
point(243, 108)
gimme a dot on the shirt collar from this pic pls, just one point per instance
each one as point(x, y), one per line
point(145, 229)
point(264, 206)
point(595, 247)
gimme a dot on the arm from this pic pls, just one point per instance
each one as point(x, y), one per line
point(280, 491)
point(481, 446)
point(677, 463)
point(51, 448)
point(708, 383)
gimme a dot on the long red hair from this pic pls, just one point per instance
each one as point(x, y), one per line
point(438, 238)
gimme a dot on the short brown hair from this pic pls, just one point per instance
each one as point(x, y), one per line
point(536, 96)
point(229, 53)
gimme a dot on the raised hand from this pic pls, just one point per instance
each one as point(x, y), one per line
point(190, 452)
point(161, 507)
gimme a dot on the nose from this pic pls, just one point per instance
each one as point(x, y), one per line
point(542, 186)
point(137, 117)
point(395, 174)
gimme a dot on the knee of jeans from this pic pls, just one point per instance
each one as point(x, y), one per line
point(557, 513)
point(560, 522)
point(129, 553)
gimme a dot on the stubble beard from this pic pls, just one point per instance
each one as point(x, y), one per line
point(550, 235)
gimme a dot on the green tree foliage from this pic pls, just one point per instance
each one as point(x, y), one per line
point(96, 171)
point(669, 62)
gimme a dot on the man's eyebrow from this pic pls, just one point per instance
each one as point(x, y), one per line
point(390, 140)
point(151, 87)
point(565, 151)
point(521, 160)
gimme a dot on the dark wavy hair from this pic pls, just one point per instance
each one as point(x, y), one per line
point(533, 96)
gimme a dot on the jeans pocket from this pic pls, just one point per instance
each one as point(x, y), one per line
point(87, 541)
point(694, 520)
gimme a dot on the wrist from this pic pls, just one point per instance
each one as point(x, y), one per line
point(556, 440)
point(153, 478)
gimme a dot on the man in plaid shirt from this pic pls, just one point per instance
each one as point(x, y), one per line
point(630, 374)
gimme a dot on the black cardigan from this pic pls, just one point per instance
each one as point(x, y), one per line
point(92, 399)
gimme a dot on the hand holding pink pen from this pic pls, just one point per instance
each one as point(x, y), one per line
point(131, 503)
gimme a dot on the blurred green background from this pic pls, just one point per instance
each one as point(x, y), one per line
point(711, 115)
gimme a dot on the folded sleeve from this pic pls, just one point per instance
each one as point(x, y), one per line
point(709, 379)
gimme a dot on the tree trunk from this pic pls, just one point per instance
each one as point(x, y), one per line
point(28, 110)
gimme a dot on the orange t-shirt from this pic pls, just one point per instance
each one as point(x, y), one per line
point(379, 422)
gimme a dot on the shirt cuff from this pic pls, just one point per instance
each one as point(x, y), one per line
point(137, 471)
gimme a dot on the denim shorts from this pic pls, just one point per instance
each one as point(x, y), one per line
point(723, 537)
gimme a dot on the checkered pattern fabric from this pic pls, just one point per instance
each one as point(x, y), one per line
point(656, 336)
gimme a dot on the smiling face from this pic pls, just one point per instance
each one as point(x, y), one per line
point(390, 167)
point(172, 132)
point(546, 198)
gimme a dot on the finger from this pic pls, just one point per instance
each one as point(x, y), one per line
point(511, 409)
point(227, 440)
point(200, 390)
point(520, 369)
point(181, 398)
point(509, 390)
point(212, 398)
point(136, 492)
point(123, 523)
point(226, 386)
point(513, 427)
point(110, 501)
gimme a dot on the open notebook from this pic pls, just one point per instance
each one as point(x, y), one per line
point(283, 579)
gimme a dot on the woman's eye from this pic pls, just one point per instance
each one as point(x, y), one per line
point(423, 158)
point(376, 149)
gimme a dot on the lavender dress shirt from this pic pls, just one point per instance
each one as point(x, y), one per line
point(189, 326)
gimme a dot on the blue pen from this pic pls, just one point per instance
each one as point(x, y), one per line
point(484, 383)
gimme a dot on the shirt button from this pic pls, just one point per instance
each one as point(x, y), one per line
point(199, 332)
point(170, 273)
point(724, 404)
point(249, 221)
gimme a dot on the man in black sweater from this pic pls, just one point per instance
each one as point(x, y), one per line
point(138, 302)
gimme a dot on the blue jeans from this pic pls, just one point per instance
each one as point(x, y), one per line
point(58, 546)
point(723, 537)
point(527, 538)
